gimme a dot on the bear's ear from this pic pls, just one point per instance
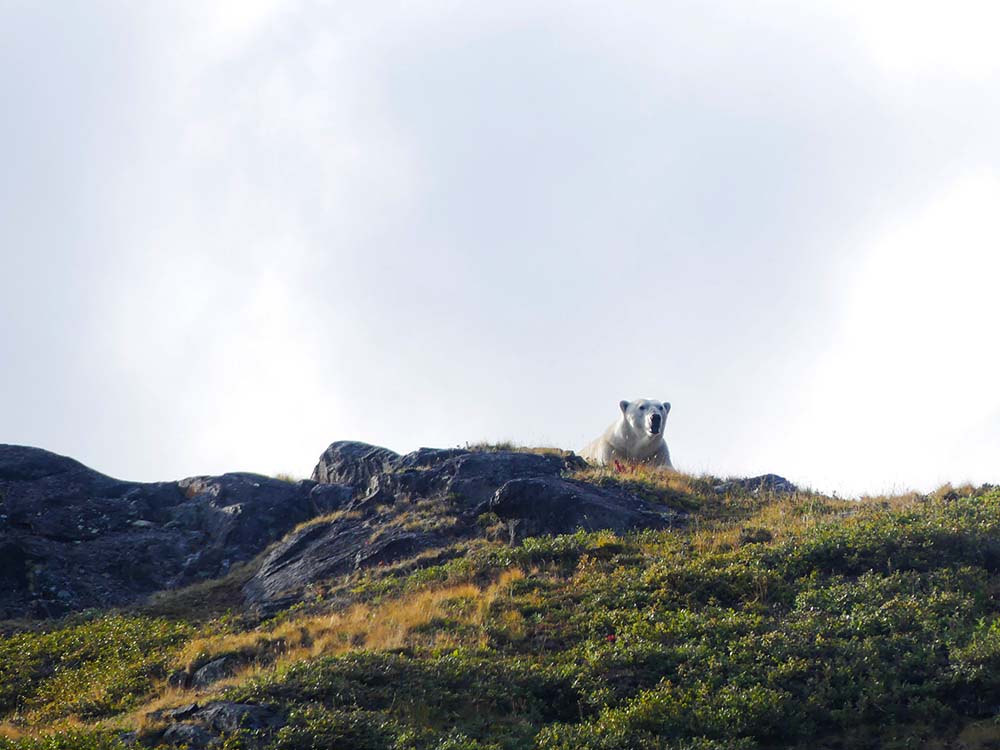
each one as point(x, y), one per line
point(666, 408)
point(623, 405)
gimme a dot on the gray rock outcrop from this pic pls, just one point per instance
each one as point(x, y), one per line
point(72, 538)
point(549, 505)
point(404, 506)
point(201, 727)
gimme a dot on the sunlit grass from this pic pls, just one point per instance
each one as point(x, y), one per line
point(337, 515)
point(510, 446)
point(388, 625)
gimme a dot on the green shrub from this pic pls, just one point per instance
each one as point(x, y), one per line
point(90, 669)
point(67, 740)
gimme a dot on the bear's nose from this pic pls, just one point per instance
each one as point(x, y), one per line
point(655, 422)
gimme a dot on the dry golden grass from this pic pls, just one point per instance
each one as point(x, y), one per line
point(945, 491)
point(790, 516)
point(642, 474)
point(139, 718)
point(388, 625)
point(168, 697)
point(10, 731)
point(903, 500)
point(336, 515)
point(782, 519)
point(507, 445)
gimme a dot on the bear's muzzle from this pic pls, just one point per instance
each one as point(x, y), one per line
point(655, 423)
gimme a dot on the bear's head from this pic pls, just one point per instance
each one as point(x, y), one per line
point(645, 417)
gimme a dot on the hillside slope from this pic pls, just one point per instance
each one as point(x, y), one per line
point(728, 615)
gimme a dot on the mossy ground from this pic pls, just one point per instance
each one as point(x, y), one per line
point(765, 622)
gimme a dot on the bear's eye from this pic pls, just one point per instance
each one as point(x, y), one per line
point(642, 408)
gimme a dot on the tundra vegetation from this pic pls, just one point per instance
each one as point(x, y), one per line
point(765, 621)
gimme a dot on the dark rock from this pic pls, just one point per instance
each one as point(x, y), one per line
point(211, 672)
point(383, 528)
point(241, 509)
point(184, 712)
point(325, 550)
point(42, 609)
point(549, 505)
point(327, 498)
point(187, 735)
point(19, 463)
point(225, 717)
point(478, 475)
point(201, 727)
point(352, 463)
point(467, 478)
point(470, 476)
point(179, 679)
point(72, 538)
point(755, 485)
point(13, 567)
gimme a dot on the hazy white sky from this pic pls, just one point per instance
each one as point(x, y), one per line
point(233, 234)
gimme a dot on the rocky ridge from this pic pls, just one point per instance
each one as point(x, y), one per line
point(72, 538)
point(404, 505)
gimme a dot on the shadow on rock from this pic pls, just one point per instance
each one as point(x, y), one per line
point(72, 538)
point(406, 505)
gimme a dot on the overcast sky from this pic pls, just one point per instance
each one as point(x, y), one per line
point(234, 232)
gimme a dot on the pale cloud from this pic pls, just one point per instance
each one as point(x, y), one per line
point(930, 38)
point(912, 369)
point(240, 231)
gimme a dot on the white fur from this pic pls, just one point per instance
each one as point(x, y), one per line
point(631, 439)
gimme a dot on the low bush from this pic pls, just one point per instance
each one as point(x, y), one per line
point(90, 669)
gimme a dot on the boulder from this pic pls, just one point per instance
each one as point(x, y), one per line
point(200, 727)
point(183, 712)
point(353, 464)
point(755, 485)
point(228, 717)
point(211, 672)
point(550, 505)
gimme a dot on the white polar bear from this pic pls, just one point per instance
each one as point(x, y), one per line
point(637, 437)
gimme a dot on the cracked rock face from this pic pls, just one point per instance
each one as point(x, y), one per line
point(72, 538)
point(386, 521)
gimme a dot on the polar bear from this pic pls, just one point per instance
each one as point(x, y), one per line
point(637, 436)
